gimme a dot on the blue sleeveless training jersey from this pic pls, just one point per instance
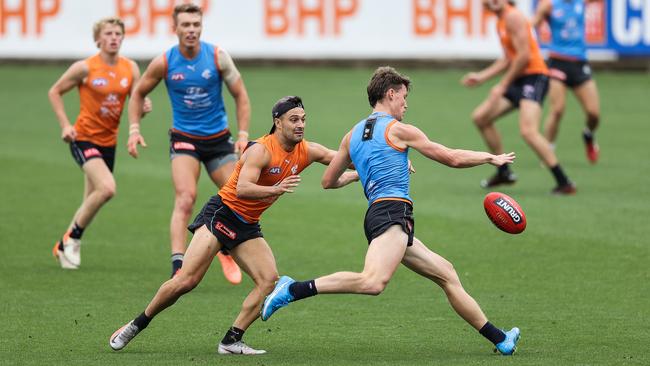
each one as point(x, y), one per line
point(194, 89)
point(567, 23)
point(382, 167)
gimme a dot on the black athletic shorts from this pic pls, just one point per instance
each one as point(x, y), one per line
point(531, 87)
point(384, 214)
point(571, 73)
point(212, 151)
point(229, 229)
point(82, 151)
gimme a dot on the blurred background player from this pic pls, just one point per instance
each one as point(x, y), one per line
point(268, 169)
point(194, 72)
point(378, 146)
point(523, 86)
point(568, 67)
point(104, 81)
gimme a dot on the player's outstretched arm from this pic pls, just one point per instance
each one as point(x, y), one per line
point(473, 79)
point(408, 135)
point(335, 175)
point(71, 78)
point(254, 160)
point(152, 76)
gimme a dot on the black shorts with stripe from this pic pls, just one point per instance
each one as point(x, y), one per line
point(386, 213)
point(82, 151)
point(211, 151)
point(224, 224)
point(571, 73)
point(530, 87)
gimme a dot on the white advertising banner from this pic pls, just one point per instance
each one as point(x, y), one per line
point(284, 29)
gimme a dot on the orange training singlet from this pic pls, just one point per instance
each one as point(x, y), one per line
point(282, 165)
point(536, 64)
point(102, 96)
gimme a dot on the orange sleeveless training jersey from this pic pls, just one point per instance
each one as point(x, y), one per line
point(536, 64)
point(282, 165)
point(102, 96)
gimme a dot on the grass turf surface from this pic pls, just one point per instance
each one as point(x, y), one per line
point(576, 281)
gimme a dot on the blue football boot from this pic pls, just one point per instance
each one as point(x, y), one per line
point(280, 297)
point(509, 345)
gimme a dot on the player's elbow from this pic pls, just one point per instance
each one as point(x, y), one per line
point(53, 93)
point(328, 183)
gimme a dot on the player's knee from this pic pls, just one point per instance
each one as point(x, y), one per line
point(107, 191)
point(557, 111)
point(266, 283)
point(528, 133)
point(374, 285)
point(479, 119)
point(185, 200)
point(186, 283)
point(448, 274)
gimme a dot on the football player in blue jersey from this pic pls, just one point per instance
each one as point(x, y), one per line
point(568, 68)
point(378, 146)
point(194, 72)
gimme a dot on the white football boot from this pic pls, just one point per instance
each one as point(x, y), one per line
point(123, 336)
point(238, 348)
point(72, 250)
point(59, 254)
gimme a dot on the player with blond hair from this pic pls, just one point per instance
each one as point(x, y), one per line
point(104, 81)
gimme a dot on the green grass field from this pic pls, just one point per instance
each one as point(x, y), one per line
point(576, 281)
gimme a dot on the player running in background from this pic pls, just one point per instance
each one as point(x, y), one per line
point(268, 169)
point(523, 86)
point(104, 81)
point(194, 72)
point(378, 146)
point(568, 67)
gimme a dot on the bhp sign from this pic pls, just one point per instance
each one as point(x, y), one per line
point(303, 28)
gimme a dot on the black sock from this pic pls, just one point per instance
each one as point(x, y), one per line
point(301, 290)
point(492, 333)
point(141, 321)
point(559, 175)
point(76, 232)
point(177, 262)
point(233, 335)
point(588, 135)
point(504, 170)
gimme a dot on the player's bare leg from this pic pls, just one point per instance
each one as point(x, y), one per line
point(426, 263)
point(587, 95)
point(230, 268)
point(256, 259)
point(199, 255)
point(382, 259)
point(185, 173)
point(484, 117)
point(99, 188)
point(530, 113)
point(557, 98)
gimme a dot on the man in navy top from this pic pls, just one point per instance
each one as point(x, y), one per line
point(194, 72)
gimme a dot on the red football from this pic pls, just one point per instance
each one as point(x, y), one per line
point(504, 212)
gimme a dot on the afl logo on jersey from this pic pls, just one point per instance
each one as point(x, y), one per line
point(178, 76)
point(124, 83)
point(275, 170)
point(100, 82)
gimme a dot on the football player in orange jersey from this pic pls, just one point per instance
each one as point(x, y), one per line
point(267, 169)
point(524, 86)
point(104, 81)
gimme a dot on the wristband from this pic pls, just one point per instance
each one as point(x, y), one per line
point(242, 133)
